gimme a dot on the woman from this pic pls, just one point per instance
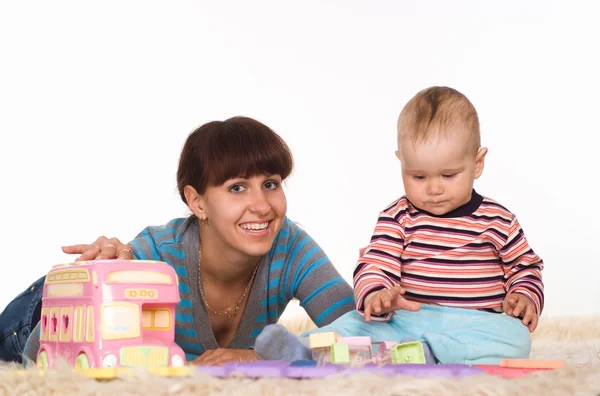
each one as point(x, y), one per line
point(240, 260)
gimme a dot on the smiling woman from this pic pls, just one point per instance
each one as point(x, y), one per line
point(239, 259)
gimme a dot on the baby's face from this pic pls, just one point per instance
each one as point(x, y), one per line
point(438, 174)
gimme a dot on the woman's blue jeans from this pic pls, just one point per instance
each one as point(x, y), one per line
point(18, 320)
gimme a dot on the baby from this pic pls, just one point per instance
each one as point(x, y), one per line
point(446, 266)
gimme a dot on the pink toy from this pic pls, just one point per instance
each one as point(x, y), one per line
point(383, 353)
point(532, 364)
point(110, 313)
point(359, 348)
point(507, 372)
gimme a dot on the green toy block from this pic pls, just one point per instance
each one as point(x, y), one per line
point(408, 352)
point(340, 354)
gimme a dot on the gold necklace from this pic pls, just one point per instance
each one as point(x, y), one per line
point(233, 310)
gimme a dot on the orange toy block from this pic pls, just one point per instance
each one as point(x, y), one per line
point(506, 372)
point(532, 364)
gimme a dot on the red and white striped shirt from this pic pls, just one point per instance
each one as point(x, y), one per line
point(471, 257)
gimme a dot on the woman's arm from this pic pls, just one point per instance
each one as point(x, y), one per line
point(311, 278)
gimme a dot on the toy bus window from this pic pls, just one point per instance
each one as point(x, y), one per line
point(44, 324)
point(51, 278)
point(73, 275)
point(120, 321)
point(54, 324)
point(58, 277)
point(82, 275)
point(147, 318)
point(89, 325)
point(78, 324)
point(66, 323)
point(162, 319)
point(139, 276)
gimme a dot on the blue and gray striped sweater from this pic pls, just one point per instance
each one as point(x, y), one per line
point(295, 267)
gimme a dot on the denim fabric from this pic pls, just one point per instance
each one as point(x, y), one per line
point(18, 320)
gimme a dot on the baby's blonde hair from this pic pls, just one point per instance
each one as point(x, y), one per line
point(437, 108)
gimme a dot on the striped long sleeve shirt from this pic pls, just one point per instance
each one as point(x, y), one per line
point(295, 267)
point(472, 257)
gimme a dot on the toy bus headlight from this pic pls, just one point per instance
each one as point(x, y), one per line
point(176, 361)
point(109, 361)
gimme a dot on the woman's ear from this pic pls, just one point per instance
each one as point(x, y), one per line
point(480, 161)
point(195, 202)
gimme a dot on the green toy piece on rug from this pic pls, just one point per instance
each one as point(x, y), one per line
point(340, 354)
point(408, 352)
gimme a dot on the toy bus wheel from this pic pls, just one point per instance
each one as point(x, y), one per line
point(82, 361)
point(42, 360)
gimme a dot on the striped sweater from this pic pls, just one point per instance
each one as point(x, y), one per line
point(471, 257)
point(296, 267)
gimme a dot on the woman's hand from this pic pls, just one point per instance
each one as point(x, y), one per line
point(216, 357)
point(102, 249)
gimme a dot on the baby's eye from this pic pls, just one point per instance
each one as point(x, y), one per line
point(449, 175)
point(418, 177)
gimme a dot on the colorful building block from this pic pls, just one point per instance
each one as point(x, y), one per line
point(359, 349)
point(383, 355)
point(320, 344)
point(408, 352)
point(532, 364)
point(340, 353)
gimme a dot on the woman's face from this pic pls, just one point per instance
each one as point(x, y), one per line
point(246, 214)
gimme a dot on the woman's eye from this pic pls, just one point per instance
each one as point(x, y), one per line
point(237, 188)
point(271, 185)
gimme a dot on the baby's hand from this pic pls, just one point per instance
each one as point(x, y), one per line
point(388, 300)
point(519, 306)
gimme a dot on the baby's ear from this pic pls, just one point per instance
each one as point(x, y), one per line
point(397, 154)
point(480, 161)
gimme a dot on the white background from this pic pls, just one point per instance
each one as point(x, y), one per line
point(97, 98)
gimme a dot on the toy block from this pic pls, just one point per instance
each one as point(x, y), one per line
point(408, 352)
point(505, 372)
point(313, 371)
point(532, 364)
point(303, 363)
point(360, 348)
point(215, 371)
point(168, 371)
point(259, 369)
point(340, 354)
point(98, 373)
point(383, 352)
point(322, 340)
point(355, 341)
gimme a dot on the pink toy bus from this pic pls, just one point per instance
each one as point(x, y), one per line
point(110, 313)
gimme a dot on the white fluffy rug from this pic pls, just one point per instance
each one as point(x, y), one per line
point(576, 340)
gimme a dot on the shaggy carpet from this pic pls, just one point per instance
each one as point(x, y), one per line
point(575, 340)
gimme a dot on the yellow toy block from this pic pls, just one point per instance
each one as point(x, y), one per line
point(182, 371)
point(21, 372)
point(98, 373)
point(322, 340)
